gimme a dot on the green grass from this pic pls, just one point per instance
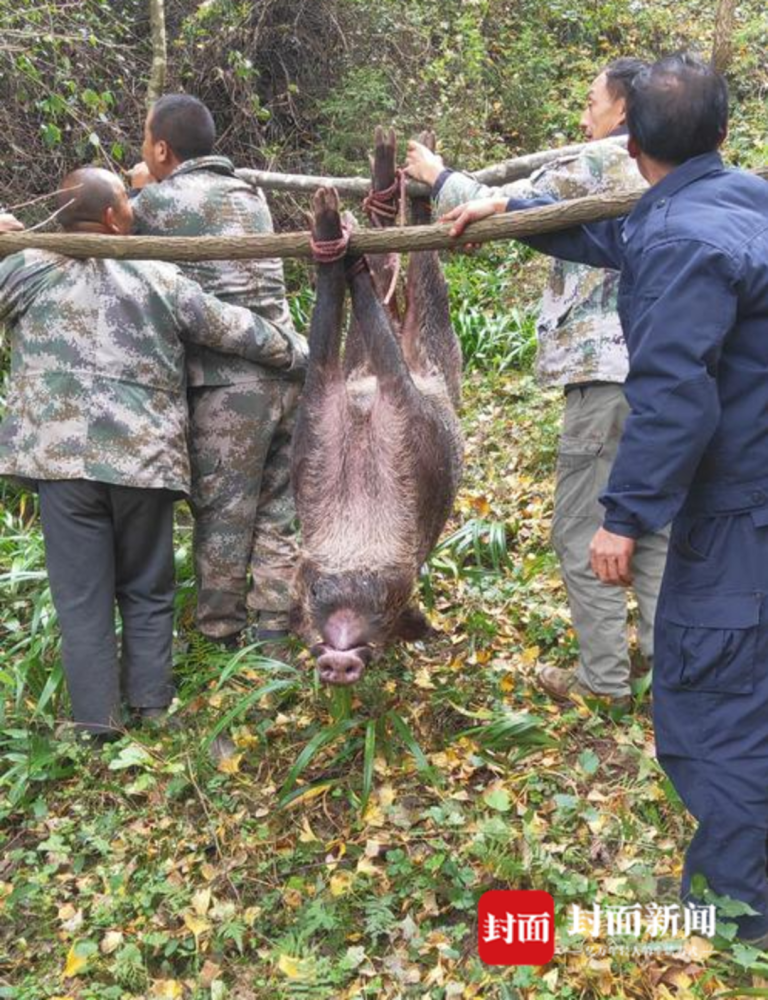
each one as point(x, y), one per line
point(340, 852)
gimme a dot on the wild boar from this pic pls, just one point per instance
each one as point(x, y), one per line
point(377, 450)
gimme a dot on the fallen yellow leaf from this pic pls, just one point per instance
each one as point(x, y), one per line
point(307, 835)
point(697, 949)
point(166, 989)
point(374, 815)
point(386, 795)
point(293, 967)
point(341, 883)
point(196, 924)
point(366, 867)
point(310, 793)
point(230, 764)
point(76, 963)
point(201, 900)
point(111, 942)
point(423, 680)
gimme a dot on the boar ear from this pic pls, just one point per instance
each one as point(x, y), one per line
point(411, 626)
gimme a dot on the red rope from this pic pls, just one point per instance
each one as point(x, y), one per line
point(329, 251)
point(384, 204)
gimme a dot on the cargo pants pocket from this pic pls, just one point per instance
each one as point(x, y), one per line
point(576, 485)
point(708, 643)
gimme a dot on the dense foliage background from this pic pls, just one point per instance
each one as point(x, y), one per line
point(297, 84)
point(338, 848)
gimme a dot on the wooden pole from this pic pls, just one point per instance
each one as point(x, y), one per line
point(513, 225)
point(500, 173)
point(395, 239)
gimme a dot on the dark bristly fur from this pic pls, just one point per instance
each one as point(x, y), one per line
point(378, 450)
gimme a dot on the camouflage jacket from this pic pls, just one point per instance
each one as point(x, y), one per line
point(204, 197)
point(97, 387)
point(579, 333)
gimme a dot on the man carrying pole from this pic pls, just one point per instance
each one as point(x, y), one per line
point(693, 300)
point(581, 348)
point(241, 414)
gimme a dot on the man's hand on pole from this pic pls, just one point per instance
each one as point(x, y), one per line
point(611, 558)
point(9, 223)
point(422, 164)
point(473, 211)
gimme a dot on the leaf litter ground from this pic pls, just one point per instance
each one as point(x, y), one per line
point(286, 843)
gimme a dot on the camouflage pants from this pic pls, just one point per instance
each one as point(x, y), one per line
point(240, 441)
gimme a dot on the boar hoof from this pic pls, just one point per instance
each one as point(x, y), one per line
point(325, 205)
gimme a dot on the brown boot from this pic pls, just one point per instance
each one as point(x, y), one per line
point(563, 686)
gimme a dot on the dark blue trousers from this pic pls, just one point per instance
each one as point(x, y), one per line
point(710, 691)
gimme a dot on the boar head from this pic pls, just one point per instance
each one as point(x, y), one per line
point(345, 615)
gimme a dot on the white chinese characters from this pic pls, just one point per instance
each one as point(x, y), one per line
point(520, 928)
point(657, 921)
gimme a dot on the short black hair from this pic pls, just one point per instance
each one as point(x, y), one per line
point(85, 195)
point(619, 75)
point(185, 124)
point(677, 109)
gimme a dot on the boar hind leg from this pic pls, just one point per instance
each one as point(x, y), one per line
point(327, 317)
point(429, 342)
point(383, 267)
point(324, 375)
point(421, 208)
point(382, 348)
point(428, 339)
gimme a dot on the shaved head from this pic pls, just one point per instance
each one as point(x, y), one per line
point(86, 195)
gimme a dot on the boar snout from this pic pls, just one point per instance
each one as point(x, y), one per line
point(341, 666)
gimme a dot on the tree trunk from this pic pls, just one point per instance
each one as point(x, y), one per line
point(159, 67)
point(722, 47)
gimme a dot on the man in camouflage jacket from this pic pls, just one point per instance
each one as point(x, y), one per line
point(581, 348)
point(96, 420)
point(241, 414)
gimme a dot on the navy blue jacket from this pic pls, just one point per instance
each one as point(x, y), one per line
point(693, 302)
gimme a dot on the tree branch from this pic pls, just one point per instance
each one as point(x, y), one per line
point(500, 173)
point(561, 215)
point(722, 47)
point(159, 67)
